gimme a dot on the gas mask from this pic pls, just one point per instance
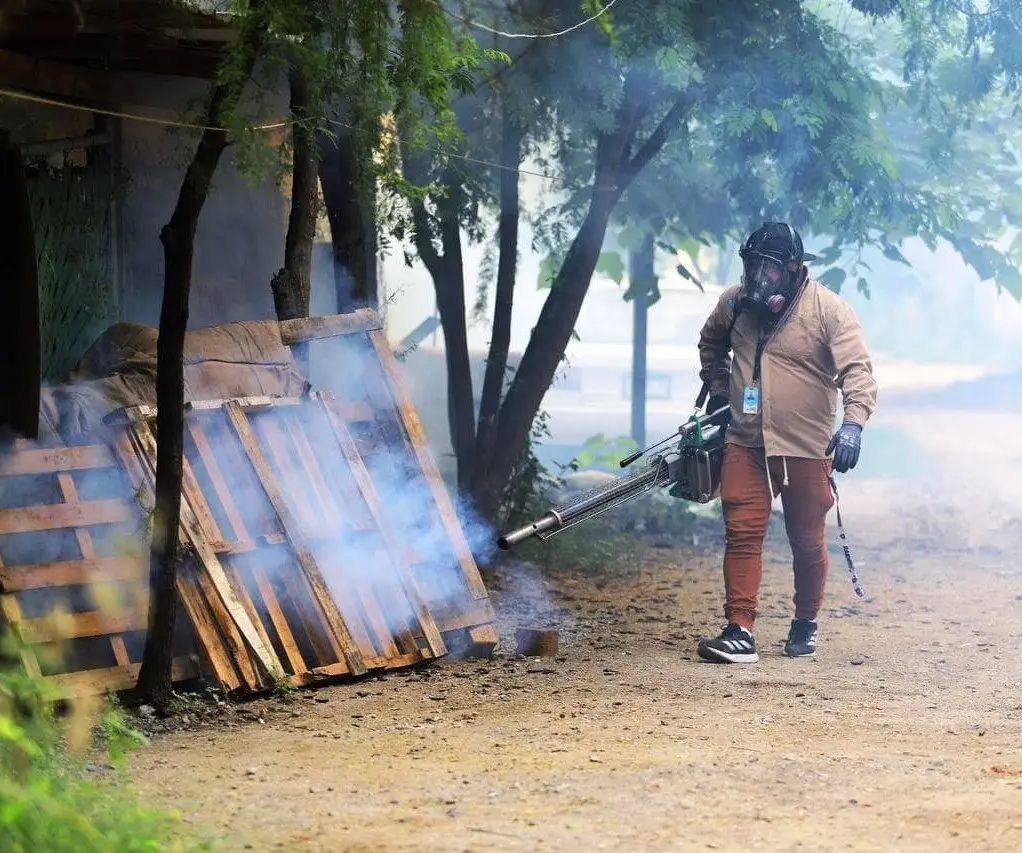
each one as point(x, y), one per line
point(772, 270)
point(766, 285)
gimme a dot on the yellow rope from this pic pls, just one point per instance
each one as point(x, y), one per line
point(53, 102)
point(275, 125)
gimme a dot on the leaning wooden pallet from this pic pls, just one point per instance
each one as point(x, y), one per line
point(72, 581)
point(279, 531)
point(375, 406)
point(321, 540)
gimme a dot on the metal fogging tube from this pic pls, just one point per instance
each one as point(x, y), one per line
point(544, 524)
point(589, 503)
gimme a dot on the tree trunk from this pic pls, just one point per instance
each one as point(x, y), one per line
point(20, 355)
point(616, 168)
point(292, 285)
point(549, 341)
point(350, 208)
point(512, 136)
point(178, 239)
point(447, 269)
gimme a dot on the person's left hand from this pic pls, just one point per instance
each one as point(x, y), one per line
point(845, 446)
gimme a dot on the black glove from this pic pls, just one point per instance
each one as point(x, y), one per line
point(845, 446)
point(719, 401)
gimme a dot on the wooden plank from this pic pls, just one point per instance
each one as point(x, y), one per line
point(324, 648)
point(227, 609)
point(52, 461)
point(54, 516)
point(456, 618)
point(191, 598)
point(254, 404)
point(280, 624)
point(197, 501)
point(420, 447)
point(330, 326)
point(92, 623)
point(288, 471)
point(69, 493)
point(72, 572)
point(354, 411)
point(246, 545)
point(352, 655)
point(361, 476)
point(325, 500)
point(147, 411)
point(216, 478)
point(91, 682)
point(483, 639)
point(213, 531)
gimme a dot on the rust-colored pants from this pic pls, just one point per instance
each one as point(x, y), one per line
point(746, 500)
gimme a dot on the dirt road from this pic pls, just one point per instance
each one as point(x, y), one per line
point(905, 733)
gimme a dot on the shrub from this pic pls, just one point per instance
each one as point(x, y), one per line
point(63, 786)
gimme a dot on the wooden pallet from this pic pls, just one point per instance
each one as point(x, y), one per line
point(72, 578)
point(291, 542)
point(372, 400)
point(322, 541)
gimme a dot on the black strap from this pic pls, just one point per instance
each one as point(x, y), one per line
point(849, 562)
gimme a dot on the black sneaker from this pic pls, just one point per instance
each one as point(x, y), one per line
point(734, 645)
point(801, 639)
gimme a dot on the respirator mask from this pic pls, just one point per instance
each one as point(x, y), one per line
point(772, 269)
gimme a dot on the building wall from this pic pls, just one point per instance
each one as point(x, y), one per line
point(239, 244)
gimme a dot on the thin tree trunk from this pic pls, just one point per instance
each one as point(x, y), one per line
point(616, 168)
point(447, 270)
point(512, 136)
point(292, 285)
point(350, 207)
point(20, 346)
point(178, 239)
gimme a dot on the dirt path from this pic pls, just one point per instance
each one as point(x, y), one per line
point(905, 734)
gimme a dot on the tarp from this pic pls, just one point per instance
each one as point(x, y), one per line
point(245, 359)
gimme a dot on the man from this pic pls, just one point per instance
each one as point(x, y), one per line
point(795, 344)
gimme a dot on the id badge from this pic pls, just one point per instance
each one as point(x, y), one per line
point(750, 400)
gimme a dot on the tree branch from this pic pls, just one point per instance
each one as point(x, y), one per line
point(655, 141)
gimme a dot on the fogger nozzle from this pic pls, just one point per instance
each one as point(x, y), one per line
point(541, 525)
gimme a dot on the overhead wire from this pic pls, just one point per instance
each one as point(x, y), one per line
point(475, 24)
point(273, 125)
point(281, 124)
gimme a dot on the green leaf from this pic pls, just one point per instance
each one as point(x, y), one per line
point(1011, 280)
point(893, 253)
point(612, 265)
point(863, 287)
point(829, 255)
point(548, 269)
point(631, 237)
point(769, 119)
point(685, 273)
point(833, 279)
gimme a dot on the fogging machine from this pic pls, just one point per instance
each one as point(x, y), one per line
point(691, 468)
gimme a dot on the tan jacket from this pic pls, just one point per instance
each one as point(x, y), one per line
point(819, 349)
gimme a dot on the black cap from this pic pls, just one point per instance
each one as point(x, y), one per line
point(778, 240)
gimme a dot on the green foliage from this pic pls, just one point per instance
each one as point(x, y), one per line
point(71, 207)
point(371, 69)
point(59, 791)
point(614, 542)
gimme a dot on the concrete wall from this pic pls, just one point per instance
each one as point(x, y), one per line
point(240, 240)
